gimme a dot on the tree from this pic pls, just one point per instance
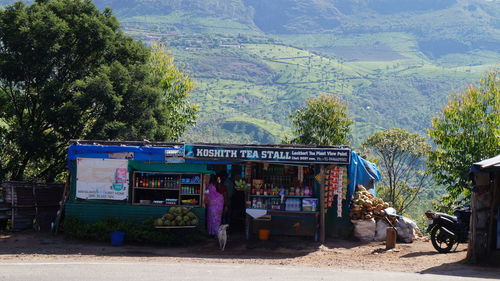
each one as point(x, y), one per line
point(68, 72)
point(466, 131)
point(322, 121)
point(176, 111)
point(402, 162)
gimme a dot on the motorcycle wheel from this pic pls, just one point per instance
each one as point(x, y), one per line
point(441, 240)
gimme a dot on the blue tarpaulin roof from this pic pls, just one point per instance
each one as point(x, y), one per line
point(140, 153)
point(361, 172)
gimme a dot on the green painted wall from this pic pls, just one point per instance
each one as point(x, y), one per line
point(338, 227)
point(91, 213)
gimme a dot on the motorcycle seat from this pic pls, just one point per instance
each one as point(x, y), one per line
point(450, 217)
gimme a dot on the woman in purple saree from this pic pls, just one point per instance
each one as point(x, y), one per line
point(215, 206)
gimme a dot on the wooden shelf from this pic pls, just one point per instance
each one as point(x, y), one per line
point(155, 188)
point(171, 188)
point(151, 204)
point(183, 226)
point(292, 213)
point(286, 196)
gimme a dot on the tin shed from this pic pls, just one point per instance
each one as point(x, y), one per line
point(484, 242)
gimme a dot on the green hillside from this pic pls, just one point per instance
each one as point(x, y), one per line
point(392, 63)
point(255, 61)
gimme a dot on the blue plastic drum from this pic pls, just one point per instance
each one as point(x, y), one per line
point(117, 238)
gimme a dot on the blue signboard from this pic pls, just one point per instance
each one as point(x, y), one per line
point(312, 155)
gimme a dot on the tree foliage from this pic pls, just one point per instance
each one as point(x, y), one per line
point(402, 161)
point(322, 121)
point(175, 86)
point(466, 131)
point(68, 72)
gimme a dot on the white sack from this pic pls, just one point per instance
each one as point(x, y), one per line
point(406, 229)
point(381, 230)
point(364, 230)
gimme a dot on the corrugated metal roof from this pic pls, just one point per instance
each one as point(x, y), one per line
point(489, 163)
point(181, 144)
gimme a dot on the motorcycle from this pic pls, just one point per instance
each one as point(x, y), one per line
point(448, 230)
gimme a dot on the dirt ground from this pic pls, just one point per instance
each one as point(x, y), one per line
point(418, 256)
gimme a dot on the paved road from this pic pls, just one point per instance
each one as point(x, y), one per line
point(154, 271)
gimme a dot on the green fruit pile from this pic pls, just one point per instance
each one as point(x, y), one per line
point(241, 185)
point(178, 216)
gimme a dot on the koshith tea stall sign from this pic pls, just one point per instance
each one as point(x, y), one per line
point(273, 154)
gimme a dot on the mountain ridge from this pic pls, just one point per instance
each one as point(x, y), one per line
point(255, 61)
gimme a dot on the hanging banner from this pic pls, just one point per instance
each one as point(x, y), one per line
point(335, 186)
point(102, 179)
point(271, 154)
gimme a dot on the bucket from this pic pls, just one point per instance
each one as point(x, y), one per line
point(117, 238)
point(264, 234)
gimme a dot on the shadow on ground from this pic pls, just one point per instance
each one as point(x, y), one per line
point(464, 269)
point(28, 242)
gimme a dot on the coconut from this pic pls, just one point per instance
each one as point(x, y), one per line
point(158, 222)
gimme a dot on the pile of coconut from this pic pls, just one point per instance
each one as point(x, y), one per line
point(365, 205)
point(177, 216)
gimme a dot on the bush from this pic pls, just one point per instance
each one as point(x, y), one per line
point(143, 232)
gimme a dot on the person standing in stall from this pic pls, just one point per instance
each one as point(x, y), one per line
point(228, 183)
point(215, 206)
point(222, 189)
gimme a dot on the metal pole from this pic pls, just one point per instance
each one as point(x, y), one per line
point(322, 205)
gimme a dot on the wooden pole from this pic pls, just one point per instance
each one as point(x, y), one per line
point(492, 215)
point(390, 241)
point(471, 249)
point(322, 204)
point(12, 206)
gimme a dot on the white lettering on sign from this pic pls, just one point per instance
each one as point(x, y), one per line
point(278, 154)
point(216, 153)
